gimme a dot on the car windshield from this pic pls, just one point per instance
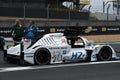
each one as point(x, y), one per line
point(75, 42)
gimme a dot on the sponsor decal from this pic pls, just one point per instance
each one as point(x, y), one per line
point(60, 30)
point(63, 47)
point(85, 2)
point(63, 40)
point(52, 30)
point(94, 56)
point(77, 55)
point(91, 29)
point(5, 31)
point(64, 52)
point(88, 29)
point(54, 48)
point(113, 29)
point(41, 30)
point(104, 29)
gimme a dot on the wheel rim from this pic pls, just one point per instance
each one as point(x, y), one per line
point(105, 54)
point(42, 57)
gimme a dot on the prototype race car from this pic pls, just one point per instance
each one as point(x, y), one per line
point(56, 48)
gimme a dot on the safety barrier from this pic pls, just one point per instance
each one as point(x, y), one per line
point(70, 31)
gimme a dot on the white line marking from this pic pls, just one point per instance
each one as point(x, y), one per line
point(53, 66)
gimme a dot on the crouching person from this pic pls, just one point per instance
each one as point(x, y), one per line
point(2, 43)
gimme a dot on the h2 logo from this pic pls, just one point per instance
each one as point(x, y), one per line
point(77, 55)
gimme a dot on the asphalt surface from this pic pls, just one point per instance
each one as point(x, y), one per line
point(85, 72)
point(104, 71)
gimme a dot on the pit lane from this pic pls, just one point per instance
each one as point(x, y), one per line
point(78, 71)
point(75, 71)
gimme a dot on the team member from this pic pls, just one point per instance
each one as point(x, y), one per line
point(2, 43)
point(17, 32)
point(31, 31)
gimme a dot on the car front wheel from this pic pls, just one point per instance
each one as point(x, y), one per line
point(105, 54)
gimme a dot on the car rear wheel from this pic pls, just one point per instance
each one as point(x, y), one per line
point(42, 56)
point(105, 54)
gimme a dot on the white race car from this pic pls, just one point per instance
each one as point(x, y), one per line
point(56, 48)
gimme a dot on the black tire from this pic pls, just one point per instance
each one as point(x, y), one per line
point(42, 56)
point(105, 54)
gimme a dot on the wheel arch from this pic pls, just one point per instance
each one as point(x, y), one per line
point(98, 48)
point(107, 50)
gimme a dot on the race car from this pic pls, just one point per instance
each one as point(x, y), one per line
point(56, 48)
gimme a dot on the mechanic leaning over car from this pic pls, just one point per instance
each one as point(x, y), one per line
point(17, 32)
point(31, 31)
point(2, 43)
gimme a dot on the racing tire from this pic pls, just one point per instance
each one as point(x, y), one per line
point(105, 54)
point(42, 56)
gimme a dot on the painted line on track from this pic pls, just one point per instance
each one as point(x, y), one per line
point(11, 69)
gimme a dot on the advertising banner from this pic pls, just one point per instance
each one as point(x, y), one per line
point(85, 2)
point(70, 31)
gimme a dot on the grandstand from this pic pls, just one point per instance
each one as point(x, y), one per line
point(53, 9)
point(52, 13)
